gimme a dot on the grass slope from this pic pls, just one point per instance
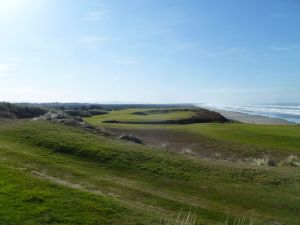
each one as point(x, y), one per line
point(283, 139)
point(27, 200)
point(286, 138)
point(130, 181)
point(158, 116)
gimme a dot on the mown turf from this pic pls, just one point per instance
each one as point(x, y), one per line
point(144, 182)
point(129, 115)
point(277, 137)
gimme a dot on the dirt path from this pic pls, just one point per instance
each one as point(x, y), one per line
point(65, 182)
point(192, 144)
point(132, 204)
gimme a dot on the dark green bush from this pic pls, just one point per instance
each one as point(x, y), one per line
point(13, 111)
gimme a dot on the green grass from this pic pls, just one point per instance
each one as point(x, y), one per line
point(128, 116)
point(269, 136)
point(28, 200)
point(283, 138)
point(136, 182)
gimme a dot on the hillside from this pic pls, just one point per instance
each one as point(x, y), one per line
point(217, 140)
point(64, 175)
point(159, 116)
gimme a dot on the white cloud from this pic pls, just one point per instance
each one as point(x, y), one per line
point(98, 13)
point(15, 60)
point(94, 39)
point(68, 76)
point(94, 16)
point(225, 52)
point(183, 47)
point(130, 29)
point(239, 53)
point(6, 66)
point(4, 75)
point(126, 61)
point(233, 51)
point(195, 47)
point(286, 48)
point(237, 90)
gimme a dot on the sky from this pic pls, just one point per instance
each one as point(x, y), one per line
point(150, 51)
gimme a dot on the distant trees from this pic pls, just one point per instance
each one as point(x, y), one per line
point(83, 112)
point(96, 107)
point(27, 110)
point(12, 111)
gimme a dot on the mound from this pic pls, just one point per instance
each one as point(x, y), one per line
point(198, 116)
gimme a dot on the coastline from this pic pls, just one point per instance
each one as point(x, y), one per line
point(251, 119)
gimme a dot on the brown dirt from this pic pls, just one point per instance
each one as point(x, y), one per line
point(193, 144)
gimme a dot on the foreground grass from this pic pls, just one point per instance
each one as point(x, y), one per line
point(28, 200)
point(135, 181)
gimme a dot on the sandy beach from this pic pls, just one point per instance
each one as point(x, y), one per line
point(247, 118)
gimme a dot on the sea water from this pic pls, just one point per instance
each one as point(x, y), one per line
point(289, 112)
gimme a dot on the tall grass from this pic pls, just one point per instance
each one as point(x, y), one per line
point(239, 221)
point(190, 219)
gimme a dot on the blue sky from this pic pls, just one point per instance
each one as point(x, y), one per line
point(150, 51)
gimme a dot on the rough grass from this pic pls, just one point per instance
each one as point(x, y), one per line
point(190, 219)
point(27, 200)
point(136, 180)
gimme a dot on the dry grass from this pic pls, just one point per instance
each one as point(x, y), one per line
point(183, 219)
point(239, 221)
point(190, 219)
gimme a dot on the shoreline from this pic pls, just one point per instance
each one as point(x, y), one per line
point(251, 119)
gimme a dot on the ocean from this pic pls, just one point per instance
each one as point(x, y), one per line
point(289, 112)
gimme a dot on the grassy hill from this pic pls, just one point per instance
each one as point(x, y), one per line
point(158, 116)
point(235, 141)
point(285, 138)
point(55, 174)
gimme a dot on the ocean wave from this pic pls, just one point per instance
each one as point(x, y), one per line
point(280, 110)
point(289, 112)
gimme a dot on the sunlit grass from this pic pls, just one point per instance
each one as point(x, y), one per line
point(145, 181)
point(129, 116)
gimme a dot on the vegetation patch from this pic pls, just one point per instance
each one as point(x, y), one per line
point(161, 116)
point(12, 111)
